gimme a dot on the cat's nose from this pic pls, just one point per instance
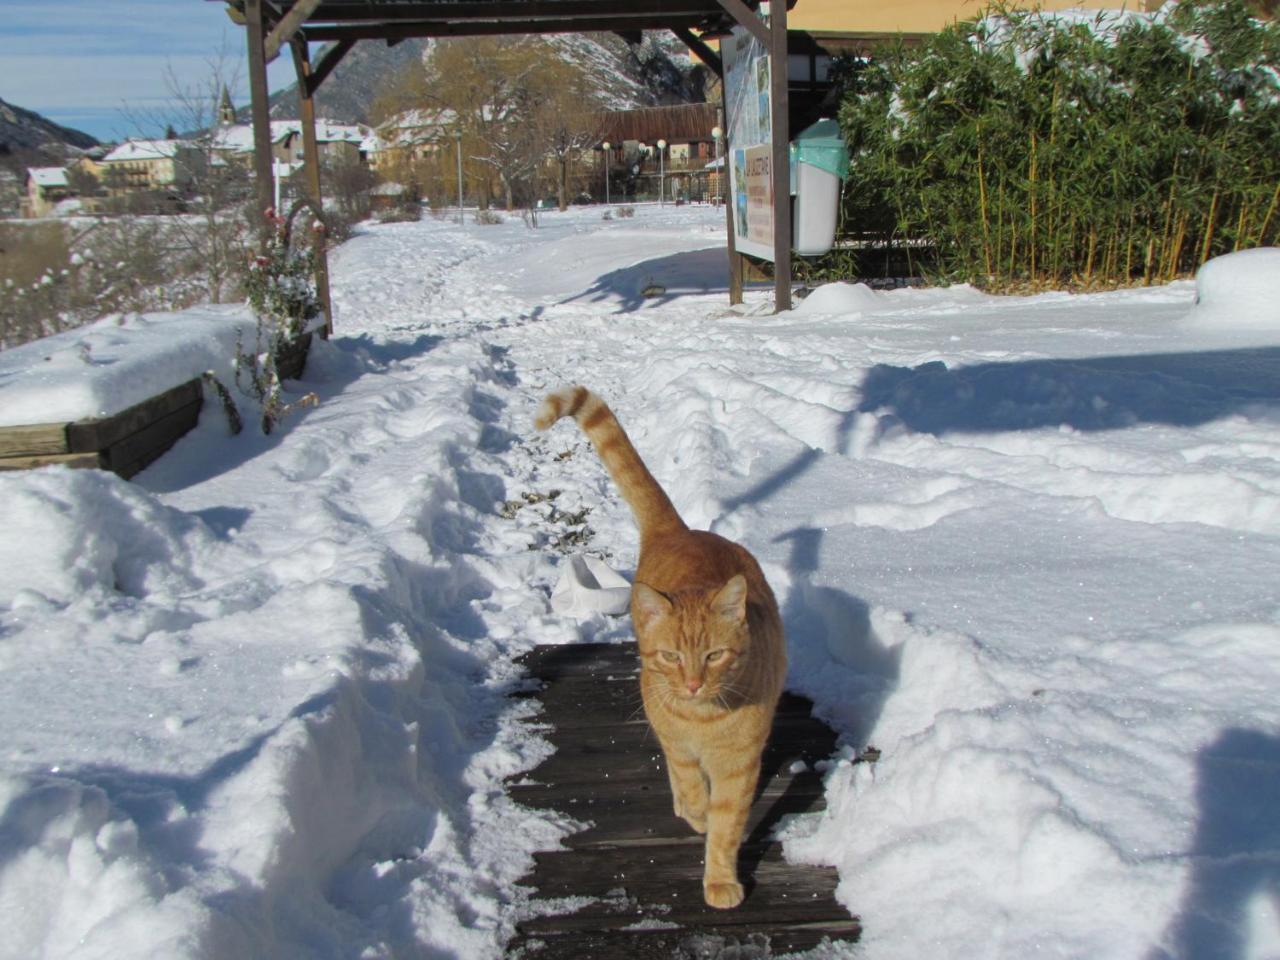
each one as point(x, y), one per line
point(693, 686)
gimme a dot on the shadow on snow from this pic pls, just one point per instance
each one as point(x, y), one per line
point(1090, 393)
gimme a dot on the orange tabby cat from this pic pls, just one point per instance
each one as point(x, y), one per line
point(712, 653)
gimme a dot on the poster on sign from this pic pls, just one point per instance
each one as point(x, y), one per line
point(750, 128)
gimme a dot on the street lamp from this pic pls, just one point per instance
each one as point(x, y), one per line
point(606, 146)
point(717, 135)
point(662, 176)
point(457, 143)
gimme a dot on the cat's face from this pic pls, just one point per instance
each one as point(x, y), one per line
point(696, 644)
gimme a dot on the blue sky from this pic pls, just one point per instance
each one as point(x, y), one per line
point(101, 65)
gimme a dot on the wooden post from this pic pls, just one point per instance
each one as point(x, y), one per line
point(311, 168)
point(735, 258)
point(255, 31)
point(781, 156)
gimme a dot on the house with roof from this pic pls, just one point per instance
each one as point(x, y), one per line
point(336, 141)
point(45, 188)
point(150, 165)
point(409, 137)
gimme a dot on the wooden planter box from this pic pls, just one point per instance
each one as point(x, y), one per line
point(128, 441)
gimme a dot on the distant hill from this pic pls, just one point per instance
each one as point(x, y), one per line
point(24, 131)
point(650, 74)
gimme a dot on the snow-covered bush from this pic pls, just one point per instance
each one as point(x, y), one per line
point(1057, 147)
point(280, 286)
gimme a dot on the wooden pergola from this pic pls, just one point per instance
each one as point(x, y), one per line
point(272, 25)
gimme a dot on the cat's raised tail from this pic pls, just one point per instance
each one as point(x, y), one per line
point(653, 510)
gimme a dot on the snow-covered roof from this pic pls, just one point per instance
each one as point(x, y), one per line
point(145, 150)
point(238, 138)
point(48, 176)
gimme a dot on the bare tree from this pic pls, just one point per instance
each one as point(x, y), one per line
point(211, 183)
point(516, 104)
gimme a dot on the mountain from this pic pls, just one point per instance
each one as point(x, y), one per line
point(22, 131)
point(653, 72)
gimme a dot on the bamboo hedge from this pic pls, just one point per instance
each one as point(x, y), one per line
point(1050, 149)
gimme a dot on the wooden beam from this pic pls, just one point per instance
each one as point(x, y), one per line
point(699, 47)
point(411, 29)
point(747, 18)
point(781, 156)
point(498, 10)
point(311, 170)
point(289, 24)
point(261, 117)
point(35, 440)
point(328, 60)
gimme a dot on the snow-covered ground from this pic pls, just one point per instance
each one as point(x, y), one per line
point(252, 704)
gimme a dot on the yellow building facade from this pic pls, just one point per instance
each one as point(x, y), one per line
point(861, 18)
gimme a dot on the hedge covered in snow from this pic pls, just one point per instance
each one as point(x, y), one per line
point(1077, 146)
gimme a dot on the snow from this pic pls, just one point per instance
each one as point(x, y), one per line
point(253, 703)
point(1240, 290)
point(145, 150)
point(108, 366)
point(48, 176)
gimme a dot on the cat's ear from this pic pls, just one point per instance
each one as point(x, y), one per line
point(648, 605)
point(730, 603)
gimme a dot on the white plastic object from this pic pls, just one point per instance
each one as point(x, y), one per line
point(588, 586)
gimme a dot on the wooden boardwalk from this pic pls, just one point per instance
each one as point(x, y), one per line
point(639, 865)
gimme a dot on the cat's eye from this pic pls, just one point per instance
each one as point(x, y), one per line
point(715, 655)
point(670, 656)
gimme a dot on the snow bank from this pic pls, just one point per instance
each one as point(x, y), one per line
point(845, 298)
point(1239, 291)
point(110, 365)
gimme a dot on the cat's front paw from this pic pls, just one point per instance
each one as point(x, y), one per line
point(723, 894)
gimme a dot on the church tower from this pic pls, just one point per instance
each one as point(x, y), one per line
point(226, 112)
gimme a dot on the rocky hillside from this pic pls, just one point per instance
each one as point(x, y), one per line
point(651, 73)
point(24, 131)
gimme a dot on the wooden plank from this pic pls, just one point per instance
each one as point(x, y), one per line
point(99, 434)
point(34, 440)
point(661, 874)
point(778, 894)
point(763, 940)
point(138, 450)
point(78, 460)
point(637, 863)
point(592, 772)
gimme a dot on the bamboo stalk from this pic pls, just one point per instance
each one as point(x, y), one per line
point(1031, 184)
point(1262, 230)
point(986, 225)
point(1208, 226)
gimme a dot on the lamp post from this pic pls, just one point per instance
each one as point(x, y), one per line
point(606, 146)
point(662, 187)
point(457, 143)
point(717, 135)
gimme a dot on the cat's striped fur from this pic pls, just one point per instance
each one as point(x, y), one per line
point(712, 651)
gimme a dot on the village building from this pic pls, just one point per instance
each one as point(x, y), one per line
point(337, 142)
point(143, 165)
point(46, 187)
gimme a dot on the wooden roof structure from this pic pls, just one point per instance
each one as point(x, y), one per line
point(678, 123)
point(273, 25)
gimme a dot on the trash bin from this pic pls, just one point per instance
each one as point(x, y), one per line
point(819, 162)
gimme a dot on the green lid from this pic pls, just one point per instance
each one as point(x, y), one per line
point(821, 145)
